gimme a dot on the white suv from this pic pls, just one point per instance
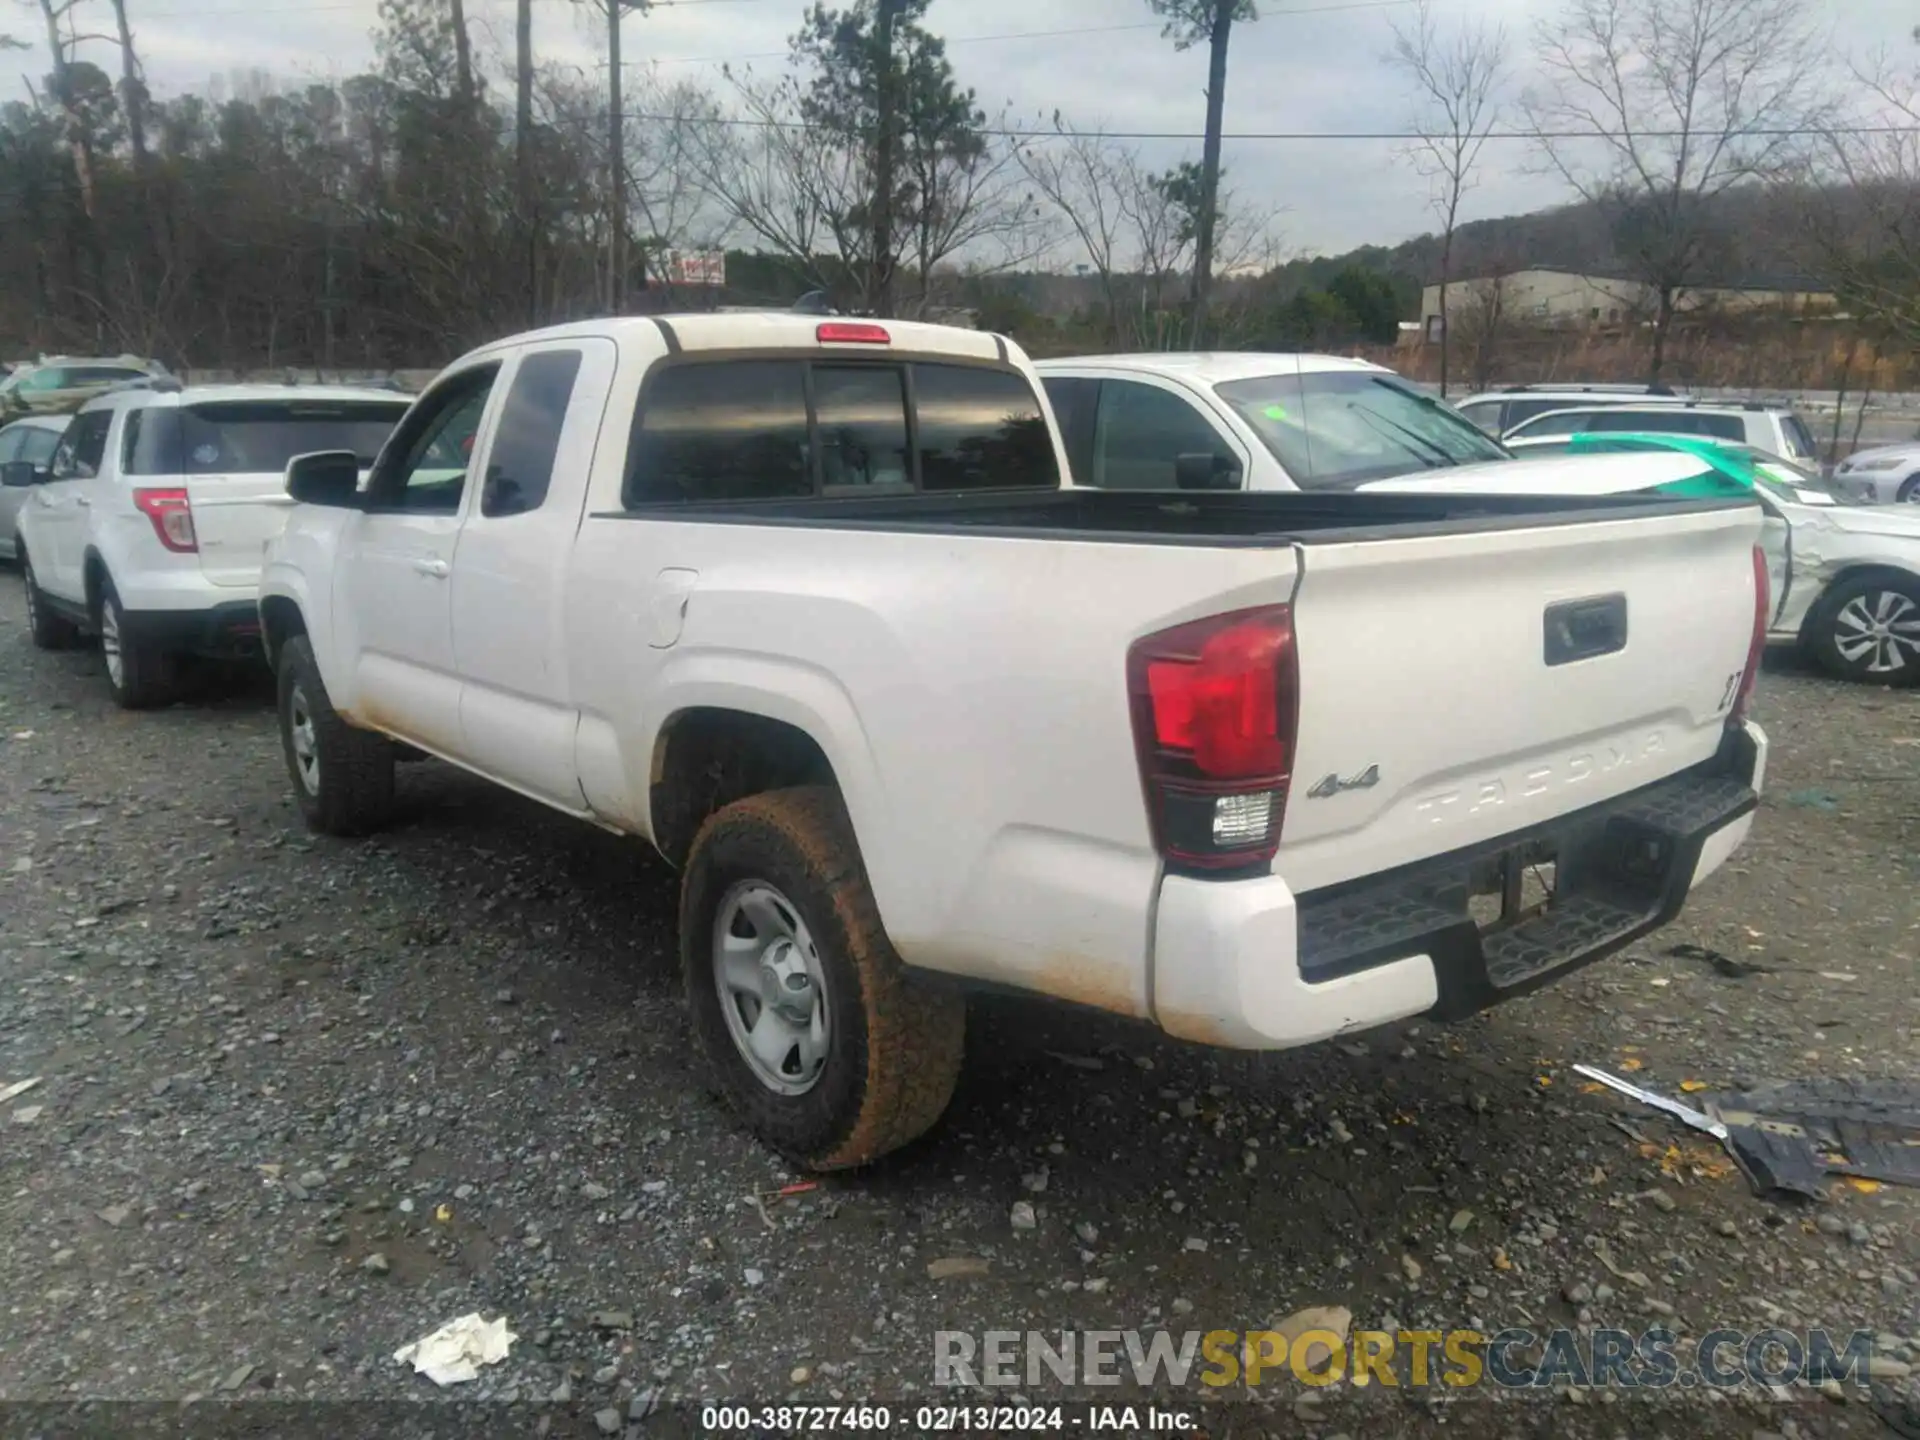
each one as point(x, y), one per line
point(148, 527)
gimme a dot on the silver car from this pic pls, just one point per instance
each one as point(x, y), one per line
point(26, 449)
point(1884, 475)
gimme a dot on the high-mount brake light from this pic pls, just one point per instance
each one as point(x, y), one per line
point(840, 332)
point(1215, 710)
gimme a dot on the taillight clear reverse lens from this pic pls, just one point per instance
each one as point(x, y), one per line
point(1215, 705)
point(172, 517)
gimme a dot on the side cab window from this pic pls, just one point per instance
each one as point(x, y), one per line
point(1142, 433)
point(83, 447)
point(423, 467)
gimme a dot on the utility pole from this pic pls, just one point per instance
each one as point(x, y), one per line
point(886, 103)
point(616, 154)
point(523, 148)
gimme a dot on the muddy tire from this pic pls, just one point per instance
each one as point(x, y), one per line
point(342, 776)
point(827, 1046)
point(49, 631)
point(141, 676)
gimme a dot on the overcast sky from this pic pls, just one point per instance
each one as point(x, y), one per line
point(1307, 65)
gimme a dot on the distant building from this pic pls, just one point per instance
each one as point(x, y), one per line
point(1572, 300)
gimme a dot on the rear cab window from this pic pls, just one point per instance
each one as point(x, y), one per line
point(764, 429)
point(252, 437)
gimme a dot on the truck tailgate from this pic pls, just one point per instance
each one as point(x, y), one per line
point(1458, 687)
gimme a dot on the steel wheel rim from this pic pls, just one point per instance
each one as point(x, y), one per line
point(306, 746)
point(1878, 630)
point(772, 987)
point(110, 642)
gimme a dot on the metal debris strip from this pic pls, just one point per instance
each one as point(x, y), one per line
point(1793, 1135)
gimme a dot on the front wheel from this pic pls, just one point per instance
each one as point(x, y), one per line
point(140, 675)
point(827, 1046)
point(48, 630)
point(342, 776)
point(1869, 630)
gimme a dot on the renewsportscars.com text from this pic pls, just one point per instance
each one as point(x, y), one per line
point(1454, 1359)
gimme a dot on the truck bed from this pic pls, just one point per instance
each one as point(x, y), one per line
point(1260, 519)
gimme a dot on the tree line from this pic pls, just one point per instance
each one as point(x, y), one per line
point(398, 216)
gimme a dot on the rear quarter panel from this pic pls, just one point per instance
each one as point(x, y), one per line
point(970, 693)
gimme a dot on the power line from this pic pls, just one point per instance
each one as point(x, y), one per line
point(752, 123)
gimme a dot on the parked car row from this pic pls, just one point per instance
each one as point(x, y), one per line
point(144, 523)
point(815, 607)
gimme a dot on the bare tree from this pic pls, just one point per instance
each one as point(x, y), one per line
point(1088, 181)
point(1189, 22)
point(1858, 203)
point(1653, 109)
point(462, 57)
point(1136, 230)
point(1486, 319)
point(1457, 79)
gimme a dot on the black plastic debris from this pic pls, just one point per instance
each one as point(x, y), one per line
point(1865, 1128)
point(1724, 965)
point(1791, 1137)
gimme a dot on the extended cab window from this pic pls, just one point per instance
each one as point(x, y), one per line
point(83, 447)
point(427, 469)
point(779, 429)
point(520, 465)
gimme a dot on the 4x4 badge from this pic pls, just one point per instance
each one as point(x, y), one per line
point(1333, 784)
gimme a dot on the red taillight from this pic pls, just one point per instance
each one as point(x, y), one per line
point(172, 518)
point(1215, 704)
point(1757, 645)
point(843, 333)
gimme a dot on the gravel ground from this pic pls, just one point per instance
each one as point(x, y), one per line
point(303, 1101)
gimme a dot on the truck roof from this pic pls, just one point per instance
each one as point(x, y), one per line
point(1211, 367)
point(231, 394)
point(766, 330)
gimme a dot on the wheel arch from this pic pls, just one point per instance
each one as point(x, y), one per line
point(281, 619)
point(707, 756)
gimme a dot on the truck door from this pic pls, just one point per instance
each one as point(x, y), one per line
point(517, 717)
point(398, 626)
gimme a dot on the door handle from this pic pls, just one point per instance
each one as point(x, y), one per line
point(432, 569)
point(83, 502)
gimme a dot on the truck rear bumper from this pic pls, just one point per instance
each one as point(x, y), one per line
point(1250, 965)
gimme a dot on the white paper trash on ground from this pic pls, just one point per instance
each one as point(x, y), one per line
point(454, 1353)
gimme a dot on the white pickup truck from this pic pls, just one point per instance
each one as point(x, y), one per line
point(807, 605)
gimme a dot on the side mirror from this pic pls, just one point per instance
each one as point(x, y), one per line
point(18, 474)
point(1206, 472)
point(326, 477)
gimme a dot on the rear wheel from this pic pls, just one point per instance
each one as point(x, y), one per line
point(140, 675)
point(49, 631)
point(1869, 630)
point(342, 776)
point(827, 1046)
